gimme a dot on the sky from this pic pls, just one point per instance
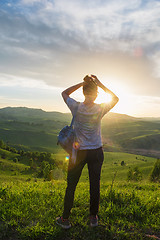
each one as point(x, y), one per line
point(49, 45)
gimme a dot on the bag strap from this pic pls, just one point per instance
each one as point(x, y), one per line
point(74, 115)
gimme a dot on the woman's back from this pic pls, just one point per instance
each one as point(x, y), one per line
point(88, 123)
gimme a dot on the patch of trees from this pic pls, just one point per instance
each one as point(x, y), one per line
point(44, 164)
point(41, 162)
point(8, 148)
point(15, 122)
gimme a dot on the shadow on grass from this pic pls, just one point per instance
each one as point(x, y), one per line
point(81, 232)
point(76, 232)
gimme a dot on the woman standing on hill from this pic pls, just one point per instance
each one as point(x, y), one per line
point(88, 138)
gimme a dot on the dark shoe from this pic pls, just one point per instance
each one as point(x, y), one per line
point(94, 221)
point(64, 223)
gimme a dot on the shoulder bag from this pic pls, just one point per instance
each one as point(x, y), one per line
point(66, 136)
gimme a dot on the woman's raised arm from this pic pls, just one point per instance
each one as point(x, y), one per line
point(68, 91)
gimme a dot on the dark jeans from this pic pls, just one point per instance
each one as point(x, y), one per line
point(94, 159)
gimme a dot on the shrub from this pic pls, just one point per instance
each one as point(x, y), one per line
point(134, 174)
point(15, 160)
point(21, 152)
point(58, 174)
point(2, 145)
point(123, 163)
point(3, 155)
point(50, 175)
point(46, 171)
point(155, 174)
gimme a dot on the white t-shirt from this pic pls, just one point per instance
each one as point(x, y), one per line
point(87, 123)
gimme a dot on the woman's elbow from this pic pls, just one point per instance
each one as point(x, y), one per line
point(64, 95)
point(117, 99)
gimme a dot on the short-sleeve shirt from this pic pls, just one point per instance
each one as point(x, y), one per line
point(87, 123)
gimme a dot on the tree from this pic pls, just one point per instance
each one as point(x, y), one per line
point(2, 145)
point(31, 163)
point(45, 168)
point(3, 155)
point(155, 174)
point(15, 160)
point(123, 163)
point(21, 152)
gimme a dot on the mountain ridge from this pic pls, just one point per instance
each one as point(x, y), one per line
point(40, 112)
point(16, 111)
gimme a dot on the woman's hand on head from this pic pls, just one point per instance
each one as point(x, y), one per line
point(95, 79)
point(87, 79)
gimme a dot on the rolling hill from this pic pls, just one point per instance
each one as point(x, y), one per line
point(27, 199)
point(36, 129)
point(31, 114)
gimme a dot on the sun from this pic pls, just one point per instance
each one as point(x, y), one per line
point(126, 101)
point(103, 97)
point(122, 91)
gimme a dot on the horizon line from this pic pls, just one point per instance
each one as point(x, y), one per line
point(68, 112)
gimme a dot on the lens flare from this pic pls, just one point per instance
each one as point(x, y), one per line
point(138, 52)
point(67, 158)
point(76, 145)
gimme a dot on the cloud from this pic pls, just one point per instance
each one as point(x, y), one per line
point(30, 2)
point(15, 81)
point(83, 24)
point(60, 41)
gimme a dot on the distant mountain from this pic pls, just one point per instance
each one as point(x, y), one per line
point(33, 113)
point(29, 114)
point(118, 117)
point(151, 119)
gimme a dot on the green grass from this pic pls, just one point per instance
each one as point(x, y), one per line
point(132, 134)
point(112, 164)
point(30, 138)
point(128, 210)
point(28, 211)
point(11, 171)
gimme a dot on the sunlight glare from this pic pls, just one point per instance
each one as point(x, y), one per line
point(122, 92)
point(103, 97)
point(126, 102)
point(115, 87)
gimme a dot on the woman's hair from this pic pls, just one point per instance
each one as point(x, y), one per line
point(89, 86)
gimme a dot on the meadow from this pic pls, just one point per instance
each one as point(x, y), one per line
point(31, 199)
point(128, 209)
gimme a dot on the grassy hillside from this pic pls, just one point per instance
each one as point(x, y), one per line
point(31, 139)
point(29, 205)
point(11, 170)
point(131, 134)
point(112, 165)
point(37, 129)
point(30, 114)
point(127, 212)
